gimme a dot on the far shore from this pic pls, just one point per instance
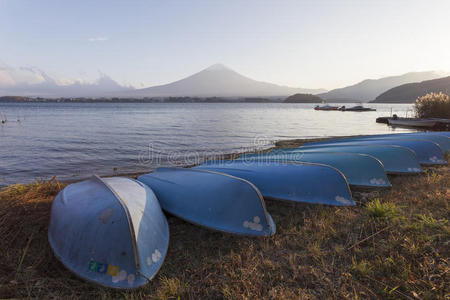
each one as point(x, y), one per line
point(275, 99)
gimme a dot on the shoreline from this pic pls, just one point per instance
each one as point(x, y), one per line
point(288, 143)
point(392, 244)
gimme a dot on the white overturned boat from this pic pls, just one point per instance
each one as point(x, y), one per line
point(413, 122)
point(110, 231)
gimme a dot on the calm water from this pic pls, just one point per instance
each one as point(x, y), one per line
point(75, 140)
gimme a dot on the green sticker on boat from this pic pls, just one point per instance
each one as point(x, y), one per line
point(103, 268)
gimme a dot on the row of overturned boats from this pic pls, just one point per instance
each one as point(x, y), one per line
point(113, 232)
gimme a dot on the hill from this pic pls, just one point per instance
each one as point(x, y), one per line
point(368, 89)
point(303, 98)
point(408, 93)
point(217, 81)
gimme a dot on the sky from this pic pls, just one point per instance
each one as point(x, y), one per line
point(312, 44)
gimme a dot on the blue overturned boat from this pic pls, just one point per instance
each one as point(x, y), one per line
point(395, 159)
point(428, 153)
point(442, 140)
point(446, 133)
point(360, 170)
point(443, 133)
point(110, 231)
point(299, 182)
point(210, 199)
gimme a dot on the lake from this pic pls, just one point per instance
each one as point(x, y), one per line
point(75, 140)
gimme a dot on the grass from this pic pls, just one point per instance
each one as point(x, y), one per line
point(394, 245)
point(382, 210)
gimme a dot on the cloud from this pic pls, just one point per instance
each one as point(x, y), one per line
point(32, 81)
point(98, 39)
point(10, 76)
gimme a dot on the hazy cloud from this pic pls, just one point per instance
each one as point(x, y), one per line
point(32, 81)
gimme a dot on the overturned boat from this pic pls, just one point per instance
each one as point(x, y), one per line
point(210, 199)
point(428, 153)
point(360, 170)
point(446, 133)
point(299, 182)
point(110, 231)
point(442, 140)
point(395, 159)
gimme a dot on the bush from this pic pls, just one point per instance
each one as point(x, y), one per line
point(433, 105)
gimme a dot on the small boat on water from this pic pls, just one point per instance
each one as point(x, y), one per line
point(110, 231)
point(360, 170)
point(429, 123)
point(412, 122)
point(428, 153)
point(356, 108)
point(211, 199)
point(299, 182)
point(326, 107)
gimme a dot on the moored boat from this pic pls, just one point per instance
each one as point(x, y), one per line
point(211, 199)
point(299, 182)
point(326, 107)
point(356, 108)
point(412, 122)
point(110, 231)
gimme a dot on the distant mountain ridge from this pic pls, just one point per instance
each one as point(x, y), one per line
point(215, 81)
point(218, 81)
point(408, 93)
point(367, 90)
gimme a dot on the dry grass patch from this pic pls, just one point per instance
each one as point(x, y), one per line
point(394, 244)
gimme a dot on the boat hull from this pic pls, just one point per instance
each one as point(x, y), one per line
point(360, 170)
point(109, 231)
point(412, 123)
point(442, 140)
point(210, 199)
point(299, 182)
point(428, 153)
point(359, 109)
point(395, 159)
point(327, 108)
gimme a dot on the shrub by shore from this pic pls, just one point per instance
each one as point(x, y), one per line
point(433, 105)
point(393, 244)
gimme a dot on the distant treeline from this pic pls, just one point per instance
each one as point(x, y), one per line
point(303, 98)
point(142, 100)
point(297, 98)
